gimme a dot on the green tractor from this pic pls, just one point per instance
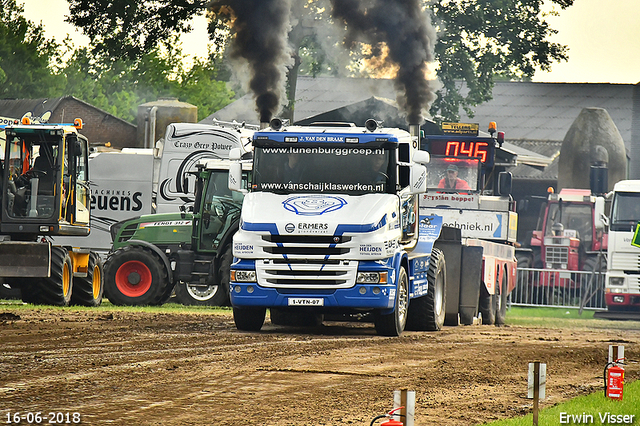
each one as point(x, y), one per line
point(189, 251)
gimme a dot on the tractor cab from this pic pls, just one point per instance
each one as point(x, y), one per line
point(45, 182)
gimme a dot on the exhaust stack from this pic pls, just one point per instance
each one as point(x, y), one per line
point(414, 130)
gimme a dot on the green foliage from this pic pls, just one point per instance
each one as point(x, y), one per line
point(27, 58)
point(479, 40)
point(128, 29)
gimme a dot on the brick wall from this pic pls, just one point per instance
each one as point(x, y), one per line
point(99, 126)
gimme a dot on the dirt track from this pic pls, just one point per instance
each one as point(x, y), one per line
point(121, 368)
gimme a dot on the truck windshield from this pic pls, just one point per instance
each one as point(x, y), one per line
point(315, 169)
point(31, 166)
point(577, 220)
point(625, 211)
point(452, 175)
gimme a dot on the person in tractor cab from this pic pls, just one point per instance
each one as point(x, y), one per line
point(451, 180)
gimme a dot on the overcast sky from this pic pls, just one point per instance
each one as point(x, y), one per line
point(603, 38)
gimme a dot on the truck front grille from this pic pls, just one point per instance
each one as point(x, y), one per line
point(625, 261)
point(306, 275)
point(556, 255)
point(307, 245)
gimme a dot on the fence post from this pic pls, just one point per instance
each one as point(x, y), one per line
point(537, 385)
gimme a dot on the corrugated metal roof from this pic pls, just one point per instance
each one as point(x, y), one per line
point(545, 111)
point(523, 110)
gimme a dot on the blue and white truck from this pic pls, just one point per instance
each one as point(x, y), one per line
point(336, 225)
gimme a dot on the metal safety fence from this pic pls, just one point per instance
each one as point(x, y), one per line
point(559, 288)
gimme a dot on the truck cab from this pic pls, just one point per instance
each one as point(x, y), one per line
point(326, 226)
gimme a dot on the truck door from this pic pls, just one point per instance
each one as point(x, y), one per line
point(78, 180)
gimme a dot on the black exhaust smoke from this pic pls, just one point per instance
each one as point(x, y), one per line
point(262, 28)
point(404, 28)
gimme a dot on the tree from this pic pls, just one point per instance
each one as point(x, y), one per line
point(481, 40)
point(119, 85)
point(27, 58)
point(478, 40)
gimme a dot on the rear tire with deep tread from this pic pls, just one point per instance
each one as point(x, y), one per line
point(56, 289)
point(135, 275)
point(89, 290)
point(427, 312)
point(249, 319)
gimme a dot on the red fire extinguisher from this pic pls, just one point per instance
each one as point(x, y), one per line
point(391, 422)
point(614, 379)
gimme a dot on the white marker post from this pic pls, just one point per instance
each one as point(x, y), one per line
point(536, 387)
point(616, 352)
point(407, 399)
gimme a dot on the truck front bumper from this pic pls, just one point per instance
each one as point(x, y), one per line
point(357, 296)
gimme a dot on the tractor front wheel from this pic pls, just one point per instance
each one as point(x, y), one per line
point(136, 276)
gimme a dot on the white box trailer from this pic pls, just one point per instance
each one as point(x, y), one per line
point(132, 182)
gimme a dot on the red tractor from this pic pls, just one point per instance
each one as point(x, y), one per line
point(570, 236)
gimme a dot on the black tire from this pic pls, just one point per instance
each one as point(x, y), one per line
point(393, 324)
point(501, 300)
point(89, 290)
point(249, 319)
point(295, 317)
point(427, 313)
point(54, 290)
point(9, 291)
point(135, 275)
point(487, 306)
point(212, 294)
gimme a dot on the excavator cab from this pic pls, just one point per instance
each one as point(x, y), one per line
point(45, 183)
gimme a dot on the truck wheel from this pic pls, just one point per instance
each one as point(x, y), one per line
point(249, 319)
point(427, 312)
point(209, 295)
point(487, 306)
point(88, 291)
point(8, 291)
point(501, 300)
point(135, 276)
point(393, 324)
point(56, 289)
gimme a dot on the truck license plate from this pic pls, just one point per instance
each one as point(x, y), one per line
point(299, 301)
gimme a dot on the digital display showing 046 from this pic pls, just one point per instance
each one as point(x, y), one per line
point(483, 149)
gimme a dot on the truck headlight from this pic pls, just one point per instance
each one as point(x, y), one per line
point(618, 299)
point(239, 275)
point(371, 278)
point(616, 280)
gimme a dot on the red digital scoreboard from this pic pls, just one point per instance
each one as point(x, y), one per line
point(463, 148)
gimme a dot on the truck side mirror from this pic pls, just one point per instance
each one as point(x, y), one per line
point(235, 154)
point(421, 157)
point(505, 183)
point(418, 179)
point(235, 176)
